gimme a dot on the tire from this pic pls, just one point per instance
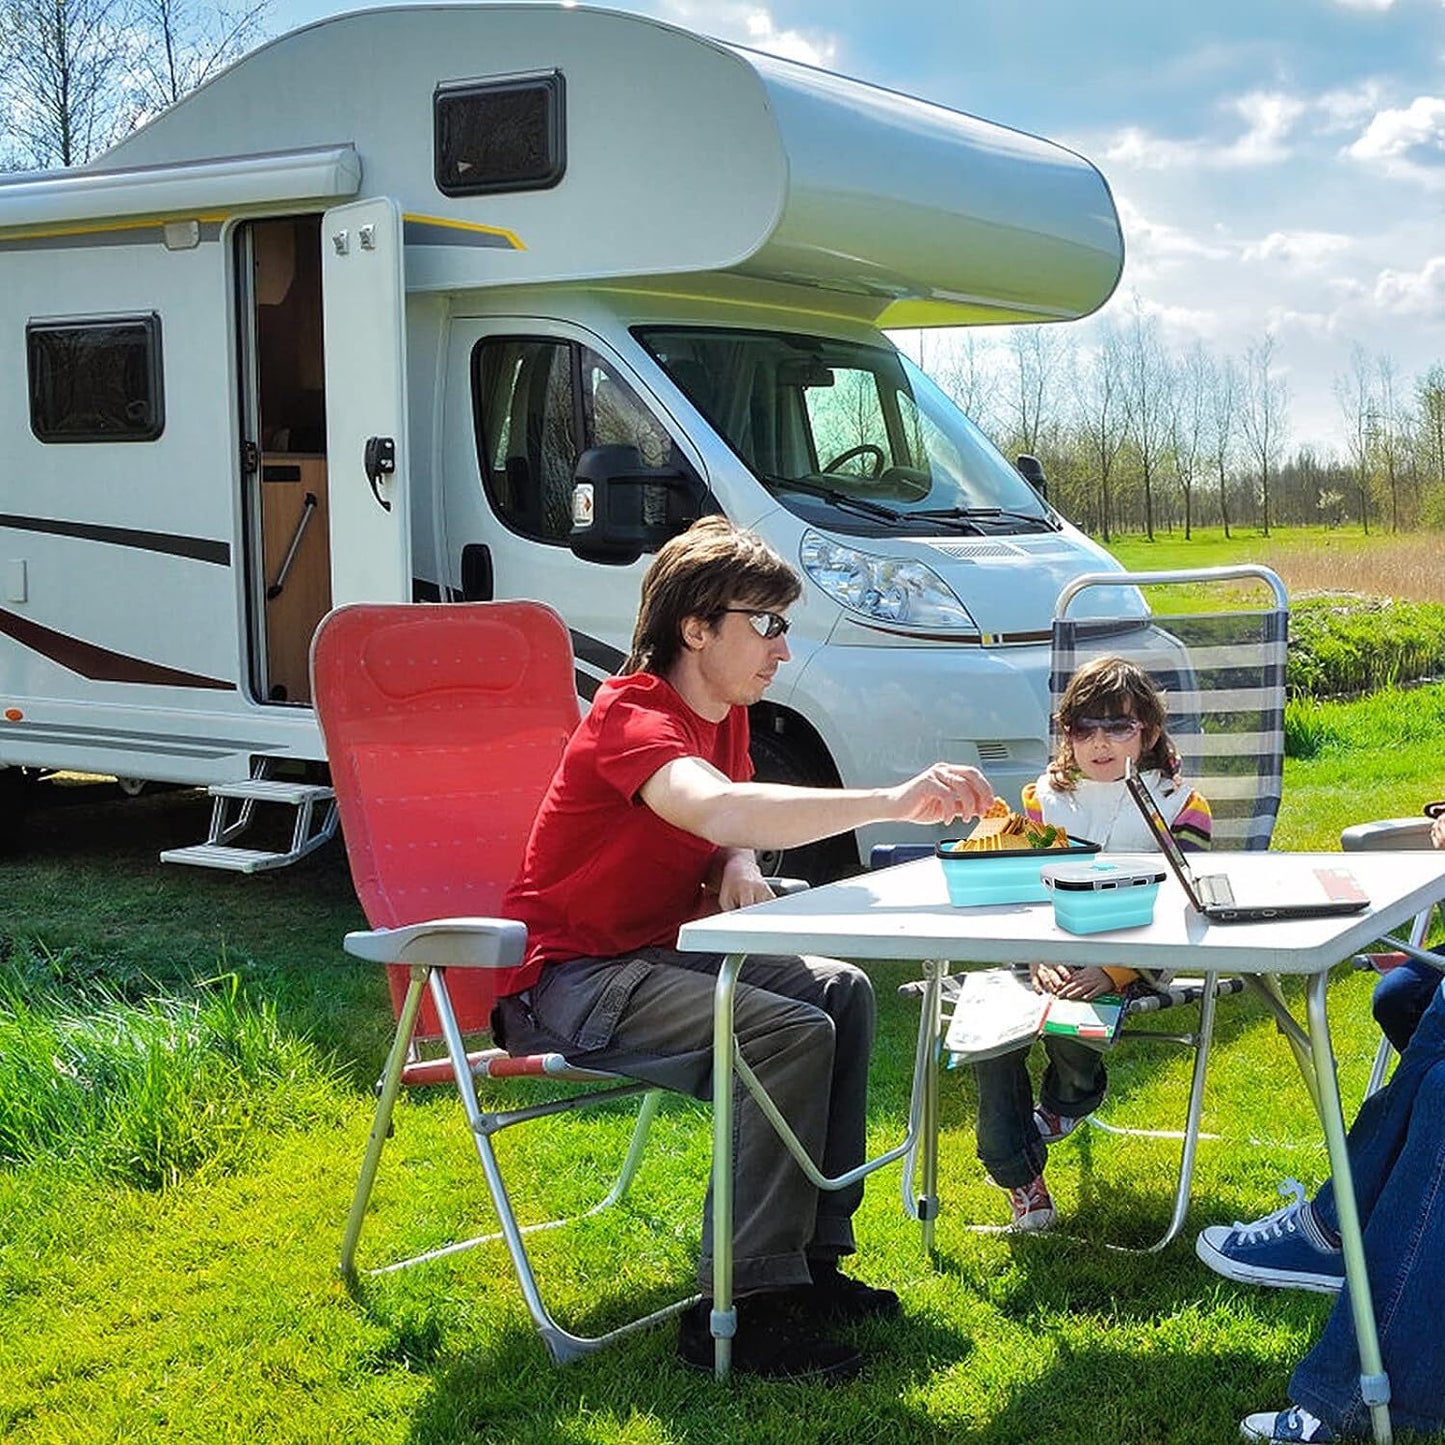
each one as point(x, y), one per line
point(777, 760)
point(17, 787)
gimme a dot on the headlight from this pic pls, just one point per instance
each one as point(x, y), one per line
point(889, 589)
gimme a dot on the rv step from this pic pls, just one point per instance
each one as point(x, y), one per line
point(233, 810)
point(235, 860)
point(269, 790)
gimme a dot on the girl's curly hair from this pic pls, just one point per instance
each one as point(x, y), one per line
point(1106, 687)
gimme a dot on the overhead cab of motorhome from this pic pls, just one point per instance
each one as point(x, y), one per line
point(487, 301)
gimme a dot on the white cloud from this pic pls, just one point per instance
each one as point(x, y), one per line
point(1408, 143)
point(1380, 5)
point(753, 26)
point(1298, 248)
point(1419, 295)
point(1269, 117)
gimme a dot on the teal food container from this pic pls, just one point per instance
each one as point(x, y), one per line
point(1008, 876)
point(1097, 896)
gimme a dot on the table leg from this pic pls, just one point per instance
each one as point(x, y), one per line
point(931, 1023)
point(1374, 1383)
point(724, 1318)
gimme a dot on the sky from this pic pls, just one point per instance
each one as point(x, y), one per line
point(1278, 165)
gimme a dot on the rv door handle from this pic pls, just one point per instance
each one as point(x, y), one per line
point(379, 461)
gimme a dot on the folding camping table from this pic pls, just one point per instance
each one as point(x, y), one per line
point(904, 913)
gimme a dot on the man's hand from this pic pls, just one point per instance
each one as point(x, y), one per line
point(1065, 982)
point(942, 794)
point(740, 882)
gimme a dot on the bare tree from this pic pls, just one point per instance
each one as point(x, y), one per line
point(1430, 427)
point(1148, 388)
point(966, 375)
point(1225, 386)
point(1102, 417)
point(1262, 416)
point(1189, 429)
point(182, 43)
point(77, 75)
point(61, 79)
point(1389, 434)
point(1037, 352)
point(1356, 399)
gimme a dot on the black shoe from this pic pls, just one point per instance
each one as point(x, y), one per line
point(765, 1345)
point(833, 1295)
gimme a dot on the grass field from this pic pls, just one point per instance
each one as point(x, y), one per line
point(185, 1070)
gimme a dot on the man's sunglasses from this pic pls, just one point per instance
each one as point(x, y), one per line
point(1116, 729)
point(765, 624)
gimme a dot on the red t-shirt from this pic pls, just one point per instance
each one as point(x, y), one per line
point(603, 874)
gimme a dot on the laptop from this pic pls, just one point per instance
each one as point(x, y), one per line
point(1328, 891)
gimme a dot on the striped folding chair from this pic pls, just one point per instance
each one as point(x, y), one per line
point(1214, 641)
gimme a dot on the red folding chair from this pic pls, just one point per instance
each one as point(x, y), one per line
point(443, 726)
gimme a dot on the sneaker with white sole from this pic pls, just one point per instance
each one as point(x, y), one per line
point(1287, 1249)
point(1033, 1208)
point(1052, 1127)
point(1296, 1423)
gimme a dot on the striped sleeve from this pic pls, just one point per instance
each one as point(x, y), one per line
point(1033, 809)
point(1193, 823)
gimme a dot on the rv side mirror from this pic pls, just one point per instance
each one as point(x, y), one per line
point(1032, 471)
point(621, 509)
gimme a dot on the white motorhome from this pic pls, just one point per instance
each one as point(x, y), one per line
point(353, 319)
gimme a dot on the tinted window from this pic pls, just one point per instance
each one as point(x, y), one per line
point(95, 381)
point(507, 136)
point(539, 404)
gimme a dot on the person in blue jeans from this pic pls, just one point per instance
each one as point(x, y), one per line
point(1397, 1157)
point(1404, 993)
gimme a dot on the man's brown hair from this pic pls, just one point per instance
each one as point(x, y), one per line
point(701, 573)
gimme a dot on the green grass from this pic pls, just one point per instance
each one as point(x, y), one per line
point(209, 1310)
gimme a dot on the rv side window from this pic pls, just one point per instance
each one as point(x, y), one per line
point(95, 381)
point(504, 136)
point(538, 405)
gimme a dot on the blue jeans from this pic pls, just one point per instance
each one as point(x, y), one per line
point(1401, 997)
point(1007, 1139)
point(1397, 1156)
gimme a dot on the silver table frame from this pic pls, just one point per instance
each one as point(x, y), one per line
point(903, 913)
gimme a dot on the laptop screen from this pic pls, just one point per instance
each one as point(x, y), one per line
point(1168, 843)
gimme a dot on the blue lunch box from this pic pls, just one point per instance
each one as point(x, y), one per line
point(1010, 875)
point(1096, 896)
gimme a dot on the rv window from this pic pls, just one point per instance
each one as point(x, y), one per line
point(538, 405)
point(95, 381)
point(505, 136)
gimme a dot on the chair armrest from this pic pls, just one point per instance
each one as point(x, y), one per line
point(1389, 833)
point(784, 887)
point(445, 943)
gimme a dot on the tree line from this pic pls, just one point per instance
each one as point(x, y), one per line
point(76, 76)
point(1136, 438)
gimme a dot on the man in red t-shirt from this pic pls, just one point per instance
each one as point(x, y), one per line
point(650, 820)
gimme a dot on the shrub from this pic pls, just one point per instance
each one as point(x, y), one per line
point(1343, 645)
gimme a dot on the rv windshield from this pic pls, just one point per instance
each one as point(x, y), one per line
point(849, 437)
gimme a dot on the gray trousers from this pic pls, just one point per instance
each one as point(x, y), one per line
point(805, 1027)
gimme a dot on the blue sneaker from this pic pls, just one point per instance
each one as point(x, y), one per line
point(1286, 1249)
point(1295, 1423)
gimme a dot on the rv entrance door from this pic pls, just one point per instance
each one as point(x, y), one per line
point(364, 297)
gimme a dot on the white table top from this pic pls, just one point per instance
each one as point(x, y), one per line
point(904, 913)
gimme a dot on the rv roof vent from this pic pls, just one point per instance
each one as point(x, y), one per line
point(500, 135)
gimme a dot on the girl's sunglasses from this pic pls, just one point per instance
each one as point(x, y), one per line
point(765, 624)
point(1116, 729)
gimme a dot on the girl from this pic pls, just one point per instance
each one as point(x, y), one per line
point(1111, 715)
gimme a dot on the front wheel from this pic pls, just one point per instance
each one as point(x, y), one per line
point(776, 760)
point(17, 788)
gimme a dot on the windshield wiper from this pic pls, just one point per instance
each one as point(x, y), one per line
point(985, 514)
point(845, 500)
